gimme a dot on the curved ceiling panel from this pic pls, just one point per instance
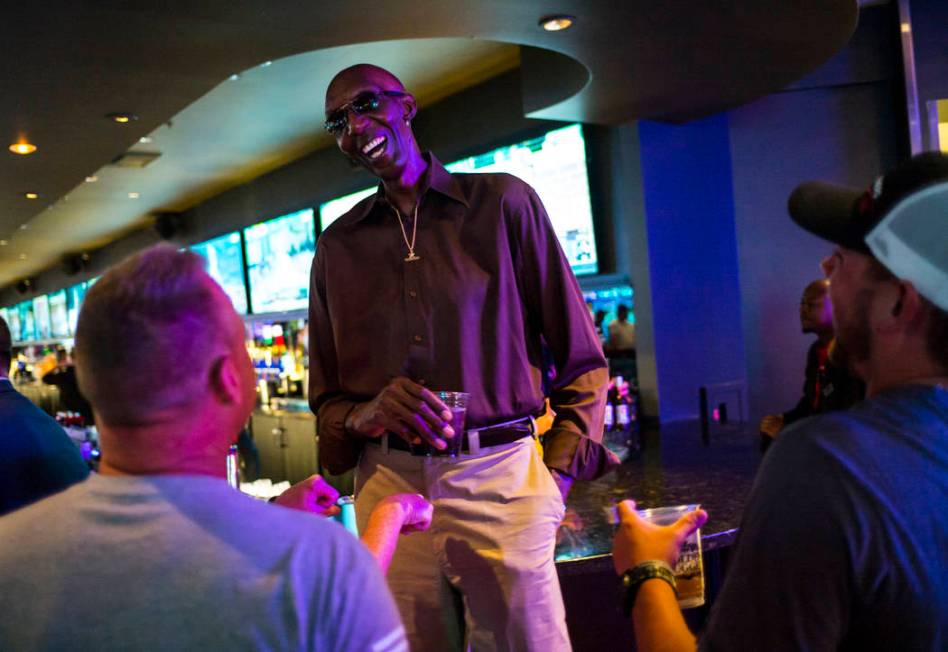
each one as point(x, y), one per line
point(65, 65)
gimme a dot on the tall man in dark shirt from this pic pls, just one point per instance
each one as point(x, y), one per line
point(37, 458)
point(446, 281)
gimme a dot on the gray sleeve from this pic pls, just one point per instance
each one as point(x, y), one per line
point(788, 585)
point(361, 614)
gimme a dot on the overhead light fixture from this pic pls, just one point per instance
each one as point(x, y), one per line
point(31, 195)
point(133, 195)
point(23, 148)
point(122, 117)
point(91, 178)
point(24, 227)
point(144, 139)
point(266, 64)
point(3, 243)
point(556, 22)
point(22, 256)
point(234, 77)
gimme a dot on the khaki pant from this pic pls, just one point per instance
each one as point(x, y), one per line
point(485, 567)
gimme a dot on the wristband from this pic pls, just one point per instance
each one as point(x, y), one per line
point(633, 578)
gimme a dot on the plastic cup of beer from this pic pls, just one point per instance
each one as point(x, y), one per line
point(457, 403)
point(689, 571)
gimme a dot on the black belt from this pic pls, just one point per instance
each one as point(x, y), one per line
point(497, 435)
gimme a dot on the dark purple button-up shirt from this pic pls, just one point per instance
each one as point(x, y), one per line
point(491, 287)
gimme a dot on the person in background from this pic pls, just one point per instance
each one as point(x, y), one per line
point(844, 538)
point(157, 551)
point(599, 320)
point(621, 339)
point(63, 376)
point(829, 384)
point(456, 282)
point(37, 458)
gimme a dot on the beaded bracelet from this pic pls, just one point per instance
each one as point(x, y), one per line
point(632, 580)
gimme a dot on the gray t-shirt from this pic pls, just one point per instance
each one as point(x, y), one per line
point(844, 543)
point(185, 563)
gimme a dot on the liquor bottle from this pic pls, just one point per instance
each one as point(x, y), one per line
point(609, 422)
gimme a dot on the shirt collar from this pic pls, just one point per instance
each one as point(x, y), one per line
point(436, 178)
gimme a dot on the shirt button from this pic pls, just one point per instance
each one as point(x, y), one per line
point(417, 338)
point(412, 294)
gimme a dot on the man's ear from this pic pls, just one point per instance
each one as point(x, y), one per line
point(225, 380)
point(411, 108)
point(905, 305)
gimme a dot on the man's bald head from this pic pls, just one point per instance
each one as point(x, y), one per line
point(817, 288)
point(365, 73)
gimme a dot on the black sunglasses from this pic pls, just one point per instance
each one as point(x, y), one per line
point(363, 103)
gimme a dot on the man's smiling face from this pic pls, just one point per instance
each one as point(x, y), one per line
point(379, 139)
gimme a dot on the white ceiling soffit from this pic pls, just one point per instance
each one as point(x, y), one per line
point(253, 122)
point(65, 64)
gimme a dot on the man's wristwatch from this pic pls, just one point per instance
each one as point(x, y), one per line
point(632, 580)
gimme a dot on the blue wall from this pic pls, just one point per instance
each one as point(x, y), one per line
point(695, 293)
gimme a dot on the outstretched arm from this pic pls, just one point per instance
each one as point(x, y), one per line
point(394, 515)
point(659, 625)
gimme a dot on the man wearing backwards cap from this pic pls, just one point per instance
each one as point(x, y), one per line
point(852, 554)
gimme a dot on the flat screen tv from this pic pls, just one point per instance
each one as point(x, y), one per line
point(279, 254)
point(27, 322)
point(555, 165)
point(604, 302)
point(58, 315)
point(41, 315)
point(74, 297)
point(333, 209)
point(225, 264)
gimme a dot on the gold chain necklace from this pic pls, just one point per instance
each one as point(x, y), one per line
point(411, 257)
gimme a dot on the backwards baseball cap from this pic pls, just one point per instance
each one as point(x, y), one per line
point(902, 220)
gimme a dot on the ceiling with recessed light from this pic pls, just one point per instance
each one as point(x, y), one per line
point(218, 93)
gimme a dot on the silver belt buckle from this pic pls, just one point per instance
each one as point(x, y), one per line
point(473, 442)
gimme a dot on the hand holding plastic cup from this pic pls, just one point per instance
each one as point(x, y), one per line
point(456, 402)
point(689, 571)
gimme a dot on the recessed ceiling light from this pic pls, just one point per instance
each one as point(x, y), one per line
point(234, 77)
point(24, 227)
point(23, 148)
point(91, 178)
point(22, 256)
point(133, 195)
point(31, 195)
point(556, 22)
point(122, 117)
point(266, 64)
point(3, 243)
point(144, 139)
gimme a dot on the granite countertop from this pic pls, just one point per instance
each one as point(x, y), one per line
point(673, 467)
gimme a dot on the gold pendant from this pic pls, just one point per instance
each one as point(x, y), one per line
point(411, 257)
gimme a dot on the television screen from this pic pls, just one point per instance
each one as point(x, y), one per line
point(27, 323)
point(58, 316)
point(225, 264)
point(279, 254)
point(555, 165)
point(604, 302)
point(41, 315)
point(74, 297)
point(334, 209)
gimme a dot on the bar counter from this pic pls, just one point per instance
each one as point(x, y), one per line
point(673, 467)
